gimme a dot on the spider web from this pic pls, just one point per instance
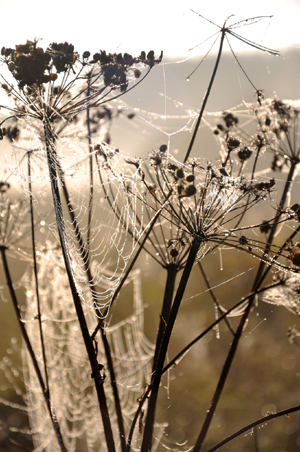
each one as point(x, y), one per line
point(71, 387)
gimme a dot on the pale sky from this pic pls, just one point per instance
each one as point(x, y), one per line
point(133, 25)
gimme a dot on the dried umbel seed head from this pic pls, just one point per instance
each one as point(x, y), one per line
point(296, 209)
point(163, 148)
point(244, 153)
point(281, 108)
point(294, 255)
point(86, 54)
point(4, 186)
point(265, 227)
point(13, 133)
point(179, 173)
point(174, 252)
point(232, 143)
point(267, 121)
point(190, 178)
point(230, 120)
point(2, 133)
point(243, 240)
point(265, 185)
point(189, 190)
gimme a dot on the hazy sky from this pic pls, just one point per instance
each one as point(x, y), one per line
point(134, 25)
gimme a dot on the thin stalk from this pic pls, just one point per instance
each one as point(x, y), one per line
point(52, 166)
point(258, 281)
point(223, 378)
point(36, 275)
point(213, 295)
point(84, 253)
point(166, 307)
point(31, 352)
point(91, 196)
point(115, 390)
point(251, 426)
point(150, 419)
point(182, 353)
point(186, 349)
point(223, 34)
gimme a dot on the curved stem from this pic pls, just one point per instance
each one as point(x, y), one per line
point(260, 276)
point(262, 420)
point(31, 352)
point(98, 378)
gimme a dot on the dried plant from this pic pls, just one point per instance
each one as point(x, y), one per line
point(101, 379)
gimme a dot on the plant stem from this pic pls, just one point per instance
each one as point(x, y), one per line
point(36, 275)
point(260, 421)
point(222, 379)
point(207, 94)
point(257, 283)
point(31, 352)
point(52, 166)
point(164, 317)
point(149, 425)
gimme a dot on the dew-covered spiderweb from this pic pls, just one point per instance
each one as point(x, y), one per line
point(71, 387)
point(109, 199)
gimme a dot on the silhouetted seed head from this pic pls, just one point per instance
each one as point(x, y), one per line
point(244, 153)
point(223, 172)
point(12, 133)
point(86, 54)
point(265, 227)
point(2, 133)
point(296, 210)
point(179, 173)
point(189, 190)
point(243, 240)
point(232, 143)
point(230, 119)
point(4, 186)
point(265, 185)
point(174, 252)
point(190, 178)
point(294, 255)
point(163, 148)
point(267, 121)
